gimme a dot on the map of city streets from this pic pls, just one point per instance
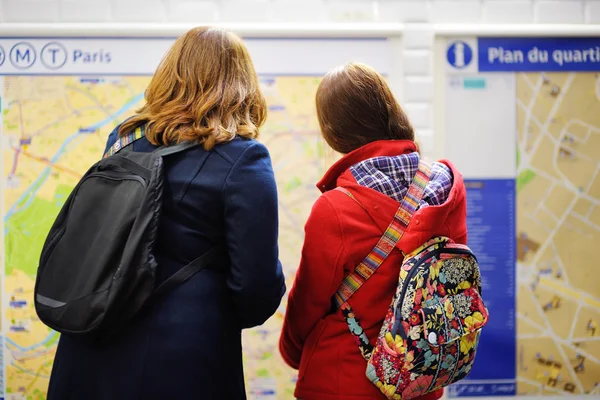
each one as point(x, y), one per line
point(53, 129)
point(558, 233)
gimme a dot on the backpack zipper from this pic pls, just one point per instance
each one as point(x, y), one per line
point(411, 274)
point(131, 177)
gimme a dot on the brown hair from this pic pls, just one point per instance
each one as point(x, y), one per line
point(355, 106)
point(205, 89)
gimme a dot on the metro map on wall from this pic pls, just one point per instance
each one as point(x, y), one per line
point(537, 99)
point(54, 128)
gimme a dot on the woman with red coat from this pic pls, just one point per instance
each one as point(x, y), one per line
point(360, 118)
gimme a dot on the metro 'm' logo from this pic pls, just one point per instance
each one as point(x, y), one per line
point(22, 55)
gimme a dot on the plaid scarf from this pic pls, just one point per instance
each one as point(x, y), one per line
point(392, 176)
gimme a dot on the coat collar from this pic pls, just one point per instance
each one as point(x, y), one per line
point(380, 148)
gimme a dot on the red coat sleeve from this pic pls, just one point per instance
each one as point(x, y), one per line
point(318, 277)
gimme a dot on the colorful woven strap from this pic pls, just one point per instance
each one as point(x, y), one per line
point(124, 141)
point(390, 237)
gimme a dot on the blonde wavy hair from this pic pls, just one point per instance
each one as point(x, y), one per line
point(204, 89)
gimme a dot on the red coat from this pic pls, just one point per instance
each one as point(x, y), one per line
point(339, 234)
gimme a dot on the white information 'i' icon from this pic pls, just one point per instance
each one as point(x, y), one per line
point(459, 55)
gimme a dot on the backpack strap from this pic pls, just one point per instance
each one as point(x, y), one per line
point(164, 151)
point(206, 260)
point(124, 141)
point(390, 237)
point(353, 281)
point(140, 132)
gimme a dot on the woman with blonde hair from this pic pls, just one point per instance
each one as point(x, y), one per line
point(360, 118)
point(187, 343)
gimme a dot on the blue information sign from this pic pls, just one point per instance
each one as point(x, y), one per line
point(530, 54)
point(491, 225)
point(538, 54)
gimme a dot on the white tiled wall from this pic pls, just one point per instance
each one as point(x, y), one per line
point(418, 15)
point(453, 11)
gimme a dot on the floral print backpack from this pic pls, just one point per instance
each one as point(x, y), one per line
point(432, 327)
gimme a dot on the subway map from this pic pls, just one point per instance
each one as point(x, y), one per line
point(53, 129)
point(558, 232)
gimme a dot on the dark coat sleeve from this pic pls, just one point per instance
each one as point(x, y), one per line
point(112, 138)
point(251, 222)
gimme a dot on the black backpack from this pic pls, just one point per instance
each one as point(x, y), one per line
point(97, 268)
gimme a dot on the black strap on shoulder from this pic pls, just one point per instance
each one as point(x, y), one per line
point(164, 151)
point(123, 144)
point(206, 260)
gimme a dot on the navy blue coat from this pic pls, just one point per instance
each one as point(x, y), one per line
point(188, 344)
